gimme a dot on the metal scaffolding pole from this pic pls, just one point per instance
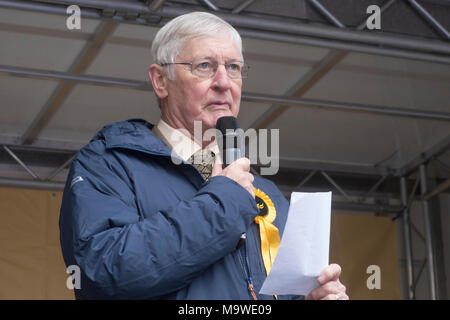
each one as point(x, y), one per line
point(349, 46)
point(210, 5)
point(32, 184)
point(429, 154)
point(61, 168)
point(242, 6)
point(407, 240)
point(23, 165)
point(430, 19)
point(294, 101)
point(427, 226)
point(246, 96)
point(440, 188)
point(156, 4)
point(327, 14)
point(81, 78)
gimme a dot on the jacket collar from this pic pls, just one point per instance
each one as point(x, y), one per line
point(133, 134)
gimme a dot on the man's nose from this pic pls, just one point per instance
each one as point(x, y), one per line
point(221, 80)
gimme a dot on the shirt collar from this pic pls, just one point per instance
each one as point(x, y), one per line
point(179, 142)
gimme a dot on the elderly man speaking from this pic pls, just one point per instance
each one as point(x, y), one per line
point(140, 225)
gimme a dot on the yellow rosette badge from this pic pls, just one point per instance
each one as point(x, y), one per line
point(269, 234)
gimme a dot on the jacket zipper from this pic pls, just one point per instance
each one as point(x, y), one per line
point(245, 268)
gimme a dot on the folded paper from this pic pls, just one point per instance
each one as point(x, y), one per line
point(304, 247)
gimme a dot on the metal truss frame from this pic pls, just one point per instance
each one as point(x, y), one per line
point(263, 27)
point(153, 12)
point(429, 260)
point(36, 182)
point(336, 36)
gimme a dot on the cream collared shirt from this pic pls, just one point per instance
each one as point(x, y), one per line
point(180, 142)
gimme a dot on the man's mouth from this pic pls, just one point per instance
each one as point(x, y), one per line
point(219, 105)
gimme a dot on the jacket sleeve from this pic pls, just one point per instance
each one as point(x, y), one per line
point(123, 255)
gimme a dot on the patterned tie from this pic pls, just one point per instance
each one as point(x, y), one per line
point(203, 160)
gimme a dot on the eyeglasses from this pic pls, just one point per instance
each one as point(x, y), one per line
point(206, 69)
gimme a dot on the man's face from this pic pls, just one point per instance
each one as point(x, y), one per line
point(191, 98)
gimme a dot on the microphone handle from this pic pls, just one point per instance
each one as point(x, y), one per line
point(231, 155)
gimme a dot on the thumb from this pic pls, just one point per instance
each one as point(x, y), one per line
point(217, 167)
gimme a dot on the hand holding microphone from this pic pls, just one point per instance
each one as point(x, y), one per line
point(237, 171)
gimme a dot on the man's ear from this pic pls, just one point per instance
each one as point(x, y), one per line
point(158, 78)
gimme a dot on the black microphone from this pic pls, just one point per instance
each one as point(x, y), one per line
point(231, 145)
point(230, 140)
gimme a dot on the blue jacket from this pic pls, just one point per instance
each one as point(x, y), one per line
point(141, 227)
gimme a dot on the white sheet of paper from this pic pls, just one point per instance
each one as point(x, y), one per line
point(304, 247)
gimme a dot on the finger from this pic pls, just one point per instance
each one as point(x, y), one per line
point(249, 187)
point(331, 296)
point(329, 273)
point(252, 191)
point(342, 288)
point(326, 289)
point(251, 177)
point(342, 296)
point(336, 283)
point(243, 163)
point(335, 296)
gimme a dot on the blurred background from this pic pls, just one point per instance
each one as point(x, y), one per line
point(363, 113)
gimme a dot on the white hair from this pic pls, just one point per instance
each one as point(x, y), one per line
point(171, 38)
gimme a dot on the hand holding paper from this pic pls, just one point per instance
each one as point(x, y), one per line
point(330, 287)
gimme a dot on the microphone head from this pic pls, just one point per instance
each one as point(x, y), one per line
point(229, 140)
point(227, 122)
